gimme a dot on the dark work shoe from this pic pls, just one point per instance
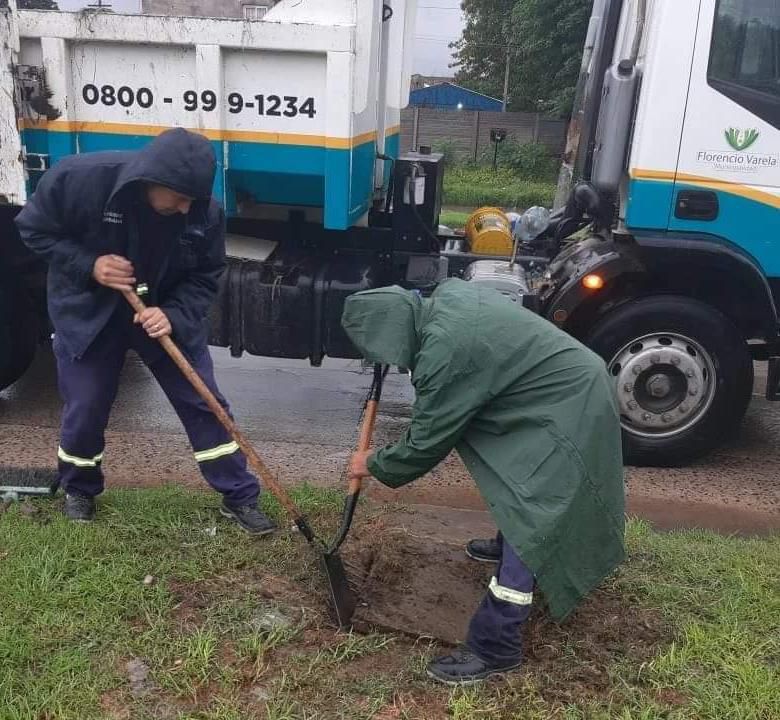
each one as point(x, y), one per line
point(464, 668)
point(484, 550)
point(249, 518)
point(79, 508)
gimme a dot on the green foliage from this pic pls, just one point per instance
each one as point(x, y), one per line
point(545, 39)
point(531, 161)
point(455, 219)
point(448, 148)
point(477, 186)
point(481, 51)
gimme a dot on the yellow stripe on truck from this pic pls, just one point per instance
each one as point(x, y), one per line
point(217, 135)
point(744, 191)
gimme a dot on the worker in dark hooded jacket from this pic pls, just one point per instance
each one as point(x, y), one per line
point(532, 414)
point(140, 220)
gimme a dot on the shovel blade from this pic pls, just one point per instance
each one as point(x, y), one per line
point(343, 599)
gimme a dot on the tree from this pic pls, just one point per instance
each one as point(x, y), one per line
point(37, 5)
point(481, 51)
point(545, 39)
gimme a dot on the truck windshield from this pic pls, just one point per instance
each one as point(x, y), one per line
point(745, 55)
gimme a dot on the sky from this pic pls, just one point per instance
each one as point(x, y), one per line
point(439, 22)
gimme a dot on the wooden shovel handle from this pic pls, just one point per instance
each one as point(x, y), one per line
point(367, 427)
point(254, 460)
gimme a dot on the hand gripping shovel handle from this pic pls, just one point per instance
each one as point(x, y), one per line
point(254, 460)
point(364, 443)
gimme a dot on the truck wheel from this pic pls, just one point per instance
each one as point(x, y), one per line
point(18, 334)
point(683, 375)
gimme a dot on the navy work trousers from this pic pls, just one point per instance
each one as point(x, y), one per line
point(494, 631)
point(88, 386)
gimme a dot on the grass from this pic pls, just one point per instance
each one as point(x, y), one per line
point(75, 610)
point(477, 186)
point(454, 219)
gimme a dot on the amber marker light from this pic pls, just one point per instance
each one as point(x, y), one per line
point(593, 282)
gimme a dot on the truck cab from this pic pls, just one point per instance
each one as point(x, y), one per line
point(676, 138)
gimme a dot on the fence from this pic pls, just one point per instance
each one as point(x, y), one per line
point(468, 132)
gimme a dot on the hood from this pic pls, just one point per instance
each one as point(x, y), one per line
point(179, 160)
point(384, 325)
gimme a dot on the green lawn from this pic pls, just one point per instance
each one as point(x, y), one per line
point(477, 186)
point(455, 219)
point(228, 627)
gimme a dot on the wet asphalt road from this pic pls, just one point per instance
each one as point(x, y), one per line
point(303, 420)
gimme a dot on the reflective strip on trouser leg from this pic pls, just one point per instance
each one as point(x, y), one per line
point(511, 596)
point(217, 452)
point(79, 461)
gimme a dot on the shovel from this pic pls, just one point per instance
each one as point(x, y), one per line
point(341, 595)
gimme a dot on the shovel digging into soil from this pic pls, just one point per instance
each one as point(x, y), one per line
point(345, 603)
point(342, 597)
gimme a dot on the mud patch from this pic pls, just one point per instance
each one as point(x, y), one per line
point(416, 586)
point(414, 583)
point(607, 628)
point(115, 705)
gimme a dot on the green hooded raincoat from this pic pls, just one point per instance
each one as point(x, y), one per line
point(530, 410)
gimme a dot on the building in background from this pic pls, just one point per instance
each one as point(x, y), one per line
point(449, 96)
point(247, 9)
point(422, 81)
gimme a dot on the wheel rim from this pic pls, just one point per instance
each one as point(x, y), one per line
point(665, 384)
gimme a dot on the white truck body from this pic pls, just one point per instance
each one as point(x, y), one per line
point(690, 135)
point(297, 106)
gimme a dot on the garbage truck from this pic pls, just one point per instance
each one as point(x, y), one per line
point(662, 253)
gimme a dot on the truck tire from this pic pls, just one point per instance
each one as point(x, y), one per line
point(18, 333)
point(683, 375)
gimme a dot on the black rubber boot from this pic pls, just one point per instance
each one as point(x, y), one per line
point(249, 518)
point(462, 667)
point(484, 550)
point(79, 508)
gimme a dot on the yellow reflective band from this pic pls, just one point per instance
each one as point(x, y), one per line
point(511, 596)
point(217, 452)
point(142, 289)
point(79, 461)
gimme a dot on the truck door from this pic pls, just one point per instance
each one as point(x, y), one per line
point(728, 174)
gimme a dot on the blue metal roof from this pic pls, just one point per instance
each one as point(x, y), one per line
point(449, 95)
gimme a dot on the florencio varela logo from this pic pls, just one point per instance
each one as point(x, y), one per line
point(741, 139)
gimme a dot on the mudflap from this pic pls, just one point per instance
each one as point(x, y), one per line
point(773, 379)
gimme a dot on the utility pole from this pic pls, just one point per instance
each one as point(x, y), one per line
point(506, 78)
point(506, 71)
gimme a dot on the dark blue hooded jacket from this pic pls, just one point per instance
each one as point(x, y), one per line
point(88, 205)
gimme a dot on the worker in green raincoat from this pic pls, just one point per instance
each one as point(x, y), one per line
point(532, 414)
